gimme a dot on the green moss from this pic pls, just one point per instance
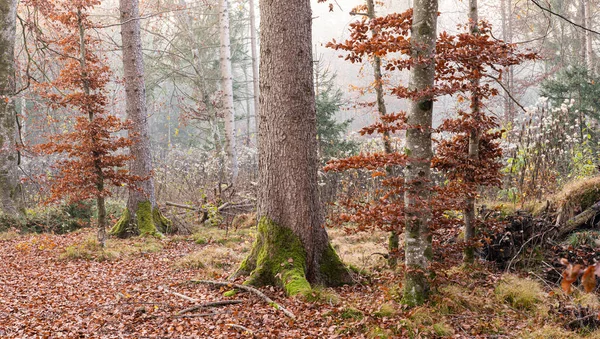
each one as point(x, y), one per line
point(351, 313)
point(332, 270)
point(385, 310)
point(277, 258)
point(147, 219)
point(415, 289)
point(120, 229)
point(161, 222)
point(229, 293)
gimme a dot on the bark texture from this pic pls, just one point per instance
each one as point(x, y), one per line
point(418, 143)
point(133, 222)
point(290, 236)
point(254, 55)
point(10, 190)
point(227, 88)
point(474, 137)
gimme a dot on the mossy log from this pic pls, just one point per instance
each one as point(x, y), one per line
point(148, 221)
point(579, 220)
point(278, 258)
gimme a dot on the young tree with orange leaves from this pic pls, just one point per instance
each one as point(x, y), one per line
point(461, 63)
point(93, 160)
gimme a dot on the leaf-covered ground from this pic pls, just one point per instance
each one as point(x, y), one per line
point(61, 287)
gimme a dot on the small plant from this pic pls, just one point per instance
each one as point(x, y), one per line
point(191, 261)
point(385, 310)
point(352, 313)
point(89, 249)
point(323, 295)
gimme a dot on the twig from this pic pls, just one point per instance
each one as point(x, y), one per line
point(183, 296)
point(241, 328)
point(210, 304)
point(248, 289)
point(582, 319)
point(194, 315)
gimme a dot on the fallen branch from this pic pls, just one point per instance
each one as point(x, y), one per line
point(240, 327)
point(248, 289)
point(580, 219)
point(210, 304)
point(183, 296)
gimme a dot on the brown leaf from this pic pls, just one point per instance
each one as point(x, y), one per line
point(588, 280)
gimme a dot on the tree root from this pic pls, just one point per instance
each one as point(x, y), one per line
point(247, 289)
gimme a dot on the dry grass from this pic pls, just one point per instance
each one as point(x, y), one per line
point(11, 234)
point(360, 249)
point(519, 292)
point(90, 249)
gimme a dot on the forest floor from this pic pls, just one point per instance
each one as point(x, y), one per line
point(64, 286)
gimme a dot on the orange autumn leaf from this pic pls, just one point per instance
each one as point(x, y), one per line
point(588, 280)
point(570, 275)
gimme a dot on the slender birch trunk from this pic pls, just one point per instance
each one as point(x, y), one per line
point(418, 247)
point(227, 88)
point(10, 189)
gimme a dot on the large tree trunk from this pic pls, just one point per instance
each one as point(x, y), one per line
point(292, 247)
point(474, 137)
point(227, 88)
point(417, 237)
point(393, 240)
point(10, 190)
point(142, 215)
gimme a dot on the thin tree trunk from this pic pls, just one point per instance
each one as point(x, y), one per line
point(255, 60)
point(142, 215)
point(589, 57)
point(509, 107)
point(292, 247)
point(418, 247)
point(393, 240)
point(227, 88)
point(96, 156)
point(10, 189)
point(474, 137)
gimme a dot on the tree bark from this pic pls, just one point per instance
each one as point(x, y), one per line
point(254, 55)
point(10, 189)
point(292, 247)
point(474, 137)
point(589, 52)
point(142, 215)
point(418, 247)
point(227, 88)
point(393, 240)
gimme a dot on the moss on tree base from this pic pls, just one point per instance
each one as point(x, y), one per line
point(148, 222)
point(414, 293)
point(278, 258)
